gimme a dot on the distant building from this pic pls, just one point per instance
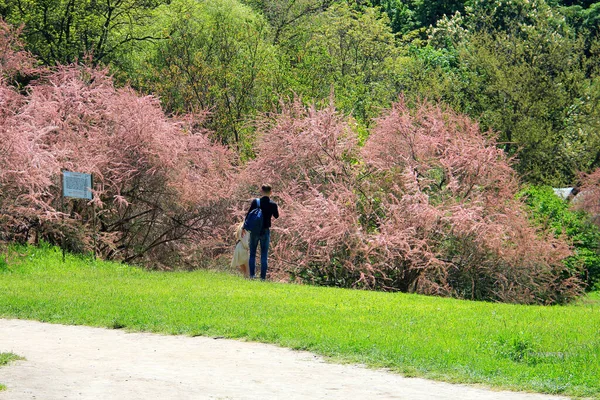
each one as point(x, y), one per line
point(564, 193)
point(576, 198)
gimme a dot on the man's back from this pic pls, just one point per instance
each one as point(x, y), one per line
point(269, 209)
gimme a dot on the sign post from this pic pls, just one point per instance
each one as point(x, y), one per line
point(77, 185)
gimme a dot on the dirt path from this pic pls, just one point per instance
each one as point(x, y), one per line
point(75, 362)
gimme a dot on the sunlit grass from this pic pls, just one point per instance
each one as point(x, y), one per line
point(542, 349)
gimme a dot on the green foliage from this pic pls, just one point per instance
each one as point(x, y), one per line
point(579, 3)
point(583, 19)
point(286, 16)
point(523, 72)
point(347, 53)
point(63, 31)
point(500, 345)
point(213, 55)
point(402, 16)
point(429, 12)
point(6, 358)
point(444, 59)
point(550, 211)
point(409, 15)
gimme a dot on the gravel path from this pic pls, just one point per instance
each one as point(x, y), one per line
point(76, 362)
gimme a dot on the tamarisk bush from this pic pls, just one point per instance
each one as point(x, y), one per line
point(22, 162)
point(427, 205)
point(307, 155)
point(588, 200)
point(447, 193)
point(590, 195)
point(154, 177)
point(13, 59)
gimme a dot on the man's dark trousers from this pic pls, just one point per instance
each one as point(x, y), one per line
point(264, 239)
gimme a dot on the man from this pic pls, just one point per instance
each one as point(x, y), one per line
point(269, 209)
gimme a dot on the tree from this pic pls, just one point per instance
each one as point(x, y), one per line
point(401, 14)
point(585, 19)
point(348, 52)
point(215, 56)
point(64, 31)
point(287, 15)
point(519, 69)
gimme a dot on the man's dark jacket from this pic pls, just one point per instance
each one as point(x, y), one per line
point(269, 209)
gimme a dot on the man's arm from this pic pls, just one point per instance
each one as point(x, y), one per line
point(276, 211)
point(252, 207)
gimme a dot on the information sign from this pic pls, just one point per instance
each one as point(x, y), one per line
point(77, 185)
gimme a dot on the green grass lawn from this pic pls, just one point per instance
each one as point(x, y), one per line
point(542, 349)
point(5, 358)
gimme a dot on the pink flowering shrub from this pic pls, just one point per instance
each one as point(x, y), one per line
point(589, 195)
point(427, 205)
point(307, 155)
point(155, 178)
point(23, 163)
point(448, 221)
point(13, 59)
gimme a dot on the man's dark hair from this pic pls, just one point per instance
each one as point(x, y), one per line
point(266, 188)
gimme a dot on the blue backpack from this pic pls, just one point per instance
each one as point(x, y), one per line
point(254, 220)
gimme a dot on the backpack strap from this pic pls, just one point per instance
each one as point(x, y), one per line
point(258, 202)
